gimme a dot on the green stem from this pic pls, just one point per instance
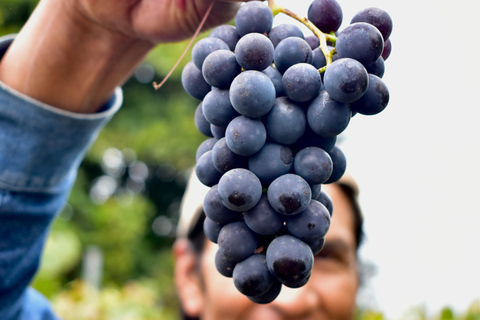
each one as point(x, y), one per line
point(322, 37)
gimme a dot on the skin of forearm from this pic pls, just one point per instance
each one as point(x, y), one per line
point(62, 59)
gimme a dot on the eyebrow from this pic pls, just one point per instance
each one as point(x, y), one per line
point(338, 245)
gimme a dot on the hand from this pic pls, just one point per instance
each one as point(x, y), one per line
point(72, 54)
point(153, 20)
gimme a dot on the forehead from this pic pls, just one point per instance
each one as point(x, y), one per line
point(342, 223)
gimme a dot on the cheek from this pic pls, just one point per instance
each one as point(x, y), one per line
point(222, 299)
point(337, 292)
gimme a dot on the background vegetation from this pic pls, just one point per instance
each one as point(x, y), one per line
point(109, 256)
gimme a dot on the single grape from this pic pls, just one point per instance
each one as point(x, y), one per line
point(328, 117)
point(268, 296)
point(290, 260)
point(311, 224)
point(227, 34)
point(236, 241)
point(263, 219)
point(239, 189)
point(272, 161)
point(216, 211)
point(276, 78)
point(301, 82)
point(204, 47)
point(313, 164)
point(211, 229)
point(360, 41)
point(251, 276)
point(339, 164)
point(217, 131)
point(253, 16)
point(316, 245)
point(201, 123)
point(316, 189)
point(289, 194)
point(327, 15)
point(325, 199)
point(252, 94)
point(205, 170)
point(313, 41)
point(254, 51)
point(376, 17)
point(346, 80)
point(245, 136)
point(205, 146)
point(224, 159)
point(312, 139)
point(377, 68)
point(220, 68)
point(375, 100)
point(217, 108)
point(286, 122)
point(193, 81)
point(224, 264)
point(284, 31)
point(387, 49)
point(290, 51)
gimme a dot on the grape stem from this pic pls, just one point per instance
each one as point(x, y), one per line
point(276, 9)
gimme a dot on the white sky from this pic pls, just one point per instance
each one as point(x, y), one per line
point(417, 163)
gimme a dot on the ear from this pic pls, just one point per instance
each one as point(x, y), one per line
point(187, 279)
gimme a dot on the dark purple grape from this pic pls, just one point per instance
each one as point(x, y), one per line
point(328, 117)
point(290, 260)
point(276, 78)
point(211, 229)
point(316, 245)
point(216, 211)
point(286, 122)
point(251, 276)
point(239, 189)
point(311, 139)
point(201, 123)
point(376, 17)
point(313, 164)
point(311, 224)
point(375, 100)
point(325, 199)
point(313, 41)
point(236, 241)
point(326, 15)
point(301, 82)
point(217, 108)
point(254, 51)
point(193, 81)
point(205, 146)
point(263, 219)
point(217, 131)
point(252, 94)
point(346, 80)
point(289, 194)
point(360, 41)
point(253, 16)
point(377, 68)
point(272, 161)
point(339, 164)
point(224, 159)
point(284, 31)
point(291, 51)
point(205, 170)
point(220, 68)
point(245, 136)
point(268, 296)
point(224, 265)
point(204, 47)
point(387, 49)
point(316, 189)
point(227, 34)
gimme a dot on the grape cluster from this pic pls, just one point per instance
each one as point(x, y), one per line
point(273, 121)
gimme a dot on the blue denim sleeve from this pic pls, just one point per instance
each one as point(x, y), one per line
point(41, 148)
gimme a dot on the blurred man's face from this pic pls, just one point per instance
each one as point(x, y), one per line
point(329, 294)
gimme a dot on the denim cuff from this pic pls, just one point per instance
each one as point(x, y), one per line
point(41, 146)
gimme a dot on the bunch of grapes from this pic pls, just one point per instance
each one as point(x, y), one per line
point(273, 104)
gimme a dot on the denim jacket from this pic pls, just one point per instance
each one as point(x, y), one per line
point(41, 148)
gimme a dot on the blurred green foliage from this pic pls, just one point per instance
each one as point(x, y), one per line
point(154, 128)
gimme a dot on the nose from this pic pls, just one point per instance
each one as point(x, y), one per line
point(298, 303)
